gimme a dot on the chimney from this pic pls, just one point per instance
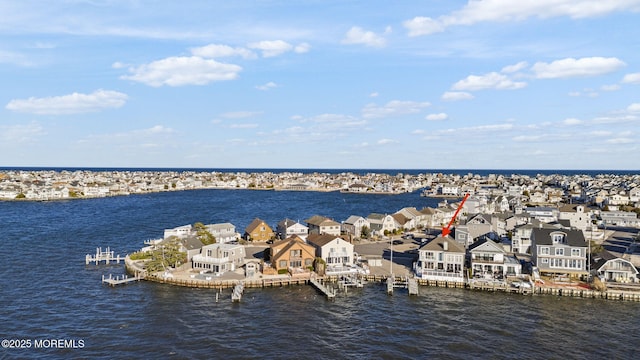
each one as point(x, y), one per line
point(445, 245)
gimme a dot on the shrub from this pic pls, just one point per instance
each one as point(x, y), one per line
point(283, 271)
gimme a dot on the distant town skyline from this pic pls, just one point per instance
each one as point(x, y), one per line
point(494, 84)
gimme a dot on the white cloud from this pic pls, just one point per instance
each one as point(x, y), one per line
point(509, 10)
point(437, 117)
point(528, 138)
point(69, 104)
point(633, 78)
point(613, 87)
point(600, 133)
point(457, 95)
point(268, 86)
point(218, 51)
point(10, 134)
point(302, 48)
point(386, 141)
point(491, 80)
point(357, 35)
point(635, 107)
point(157, 129)
point(619, 141)
point(515, 67)
point(240, 114)
point(374, 94)
point(271, 48)
point(572, 121)
point(180, 71)
point(243, 126)
point(570, 67)
point(421, 25)
point(393, 108)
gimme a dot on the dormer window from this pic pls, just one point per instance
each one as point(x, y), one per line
point(558, 238)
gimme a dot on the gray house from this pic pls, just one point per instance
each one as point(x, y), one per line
point(559, 251)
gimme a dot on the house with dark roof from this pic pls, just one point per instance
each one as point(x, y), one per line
point(559, 251)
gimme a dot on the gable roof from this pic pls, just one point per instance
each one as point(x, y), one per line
point(255, 224)
point(318, 220)
point(486, 245)
point(291, 242)
point(321, 240)
point(353, 219)
point(437, 244)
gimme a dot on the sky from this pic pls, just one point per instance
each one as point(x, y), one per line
point(432, 84)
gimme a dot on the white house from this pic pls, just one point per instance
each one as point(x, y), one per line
point(287, 228)
point(180, 231)
point(223, 232)
point(219, 258)
point(441, 259)
point(335, 251)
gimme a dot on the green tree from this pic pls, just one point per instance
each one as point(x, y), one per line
point(21, 196)
point(165, 256)
point(365, 232)
point(203, 234)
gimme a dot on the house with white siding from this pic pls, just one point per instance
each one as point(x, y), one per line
point(441, 259)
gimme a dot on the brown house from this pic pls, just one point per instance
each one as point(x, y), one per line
point(258, 230)
point(292, 253)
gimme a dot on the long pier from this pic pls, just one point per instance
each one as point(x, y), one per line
point(106, 255)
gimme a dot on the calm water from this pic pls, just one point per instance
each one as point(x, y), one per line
point(48, 293)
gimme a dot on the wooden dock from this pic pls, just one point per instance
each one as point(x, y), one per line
point(121, 279)
point(106, 255)
point(328, 292)
point(408, 283)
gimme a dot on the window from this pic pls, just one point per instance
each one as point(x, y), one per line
point(544, 250)
point(295, 263)
point(307, 262)
point(283, 264)
point(559, 252)
point(544, 260)
point(575, 252)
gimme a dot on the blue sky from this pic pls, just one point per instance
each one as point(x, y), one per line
point(494, 84)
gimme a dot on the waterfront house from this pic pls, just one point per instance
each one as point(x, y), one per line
point(292, 255)
point(334, 250)
point(258, 230)
point(611, 268)
point(180, 231)
point(354, 224)
point(441, 259)
point(489, 260)
point(559, 251)
point(323, 225)
point(288, 227)
point(217, 258)
point(223, 232)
